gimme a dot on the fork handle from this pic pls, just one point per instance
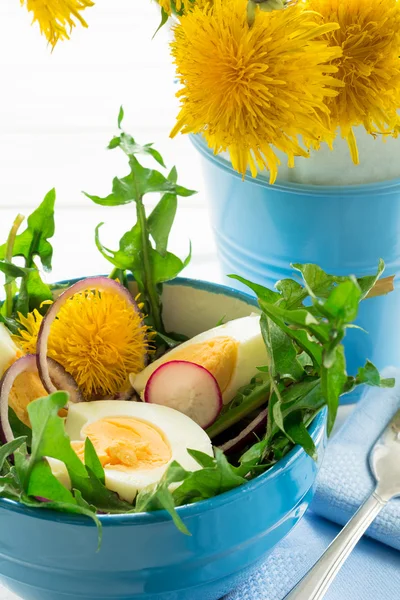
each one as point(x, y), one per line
point(317, 581)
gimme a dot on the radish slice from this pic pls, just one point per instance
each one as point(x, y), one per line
point(102, 284)
point(25, 364)
point(247, 434)
point(187, 387)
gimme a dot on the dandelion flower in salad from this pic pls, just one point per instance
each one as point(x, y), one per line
point(250, 90)
point(97, 338)
point(369, 67)
point(56, 18)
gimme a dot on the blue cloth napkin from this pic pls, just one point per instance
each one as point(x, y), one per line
point(345, 480)
point(373, 570)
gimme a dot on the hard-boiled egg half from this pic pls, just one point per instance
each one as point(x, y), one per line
point(231, 353)
point(135, 442)
point(27, 386)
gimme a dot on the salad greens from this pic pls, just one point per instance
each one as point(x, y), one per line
point(143, 249)
point(303, 323)
point(31, 243)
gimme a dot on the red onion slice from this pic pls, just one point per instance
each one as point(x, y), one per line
point(62, 380)
point(28, 364)
point(102, 284)
point(238, 442)
point(25, 364)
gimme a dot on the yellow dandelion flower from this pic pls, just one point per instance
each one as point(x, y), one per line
point(369, 36)
point(56, 16)
point(97, 338)
point(178, 5)
point(250, 90)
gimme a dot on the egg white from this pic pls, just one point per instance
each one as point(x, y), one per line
point(251, 354)
point(178, 429)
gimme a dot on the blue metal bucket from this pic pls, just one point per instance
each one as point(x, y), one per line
point(260, 229)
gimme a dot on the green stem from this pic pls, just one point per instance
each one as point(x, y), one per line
point(148, 283)
point(255, 400)
point(9, 256)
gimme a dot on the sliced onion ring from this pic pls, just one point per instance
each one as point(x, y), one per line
point(238, 442)
point(90, 283)
point(63, 380)
point(28, 364)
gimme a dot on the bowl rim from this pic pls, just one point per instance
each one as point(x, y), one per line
point(316, 430)
point(355, 189)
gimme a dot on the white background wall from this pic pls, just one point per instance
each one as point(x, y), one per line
point(58, 111)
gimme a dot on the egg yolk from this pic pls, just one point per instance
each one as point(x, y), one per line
point(217, 355)
point(26, 387)
point(126, 443)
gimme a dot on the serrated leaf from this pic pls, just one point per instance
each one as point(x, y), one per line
point(318, 282)
point(173, 175)
point(19, 429)
point(92, 461)
point(370, 375)
point(343, 301)
point(164, 19)
point(367, 283)
point(159, 496)
point(114, 143)
point(298, 432)
point(208, 482)
point(43, 484)
point(120, 116)
point(8, 449)
point(32, 293)
point(280, 348)
point(34, 240)
point(161, 220)
point(292, 292)
point(261, 292)
point(12, 270)
point(167, 267)
point(333, 381)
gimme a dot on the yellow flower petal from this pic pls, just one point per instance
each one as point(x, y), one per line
point(369, 67)
point(97, 338)
point(55, 17)
point(251, 90)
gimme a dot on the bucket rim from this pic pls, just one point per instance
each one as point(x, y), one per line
point(356, 189)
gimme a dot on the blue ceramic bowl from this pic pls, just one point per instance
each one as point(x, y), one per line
point(260, 229)
point(47, 555)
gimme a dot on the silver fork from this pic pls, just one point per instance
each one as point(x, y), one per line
point(385, 466)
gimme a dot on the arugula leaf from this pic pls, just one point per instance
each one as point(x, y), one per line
point(261, 292)
point(150, 266)
point(30, 243)
point(34, 240)
point(12, 270)
point(298, 432)
point(43, 484)
point(160, 497)
point(92, 461)
point(210, 481)
point(161, 220)
point(120, 116)
point(370, 375)
point(18, 428)
point(8, 449)
point(343, 301)
point(248, 399)
point(283, 354)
